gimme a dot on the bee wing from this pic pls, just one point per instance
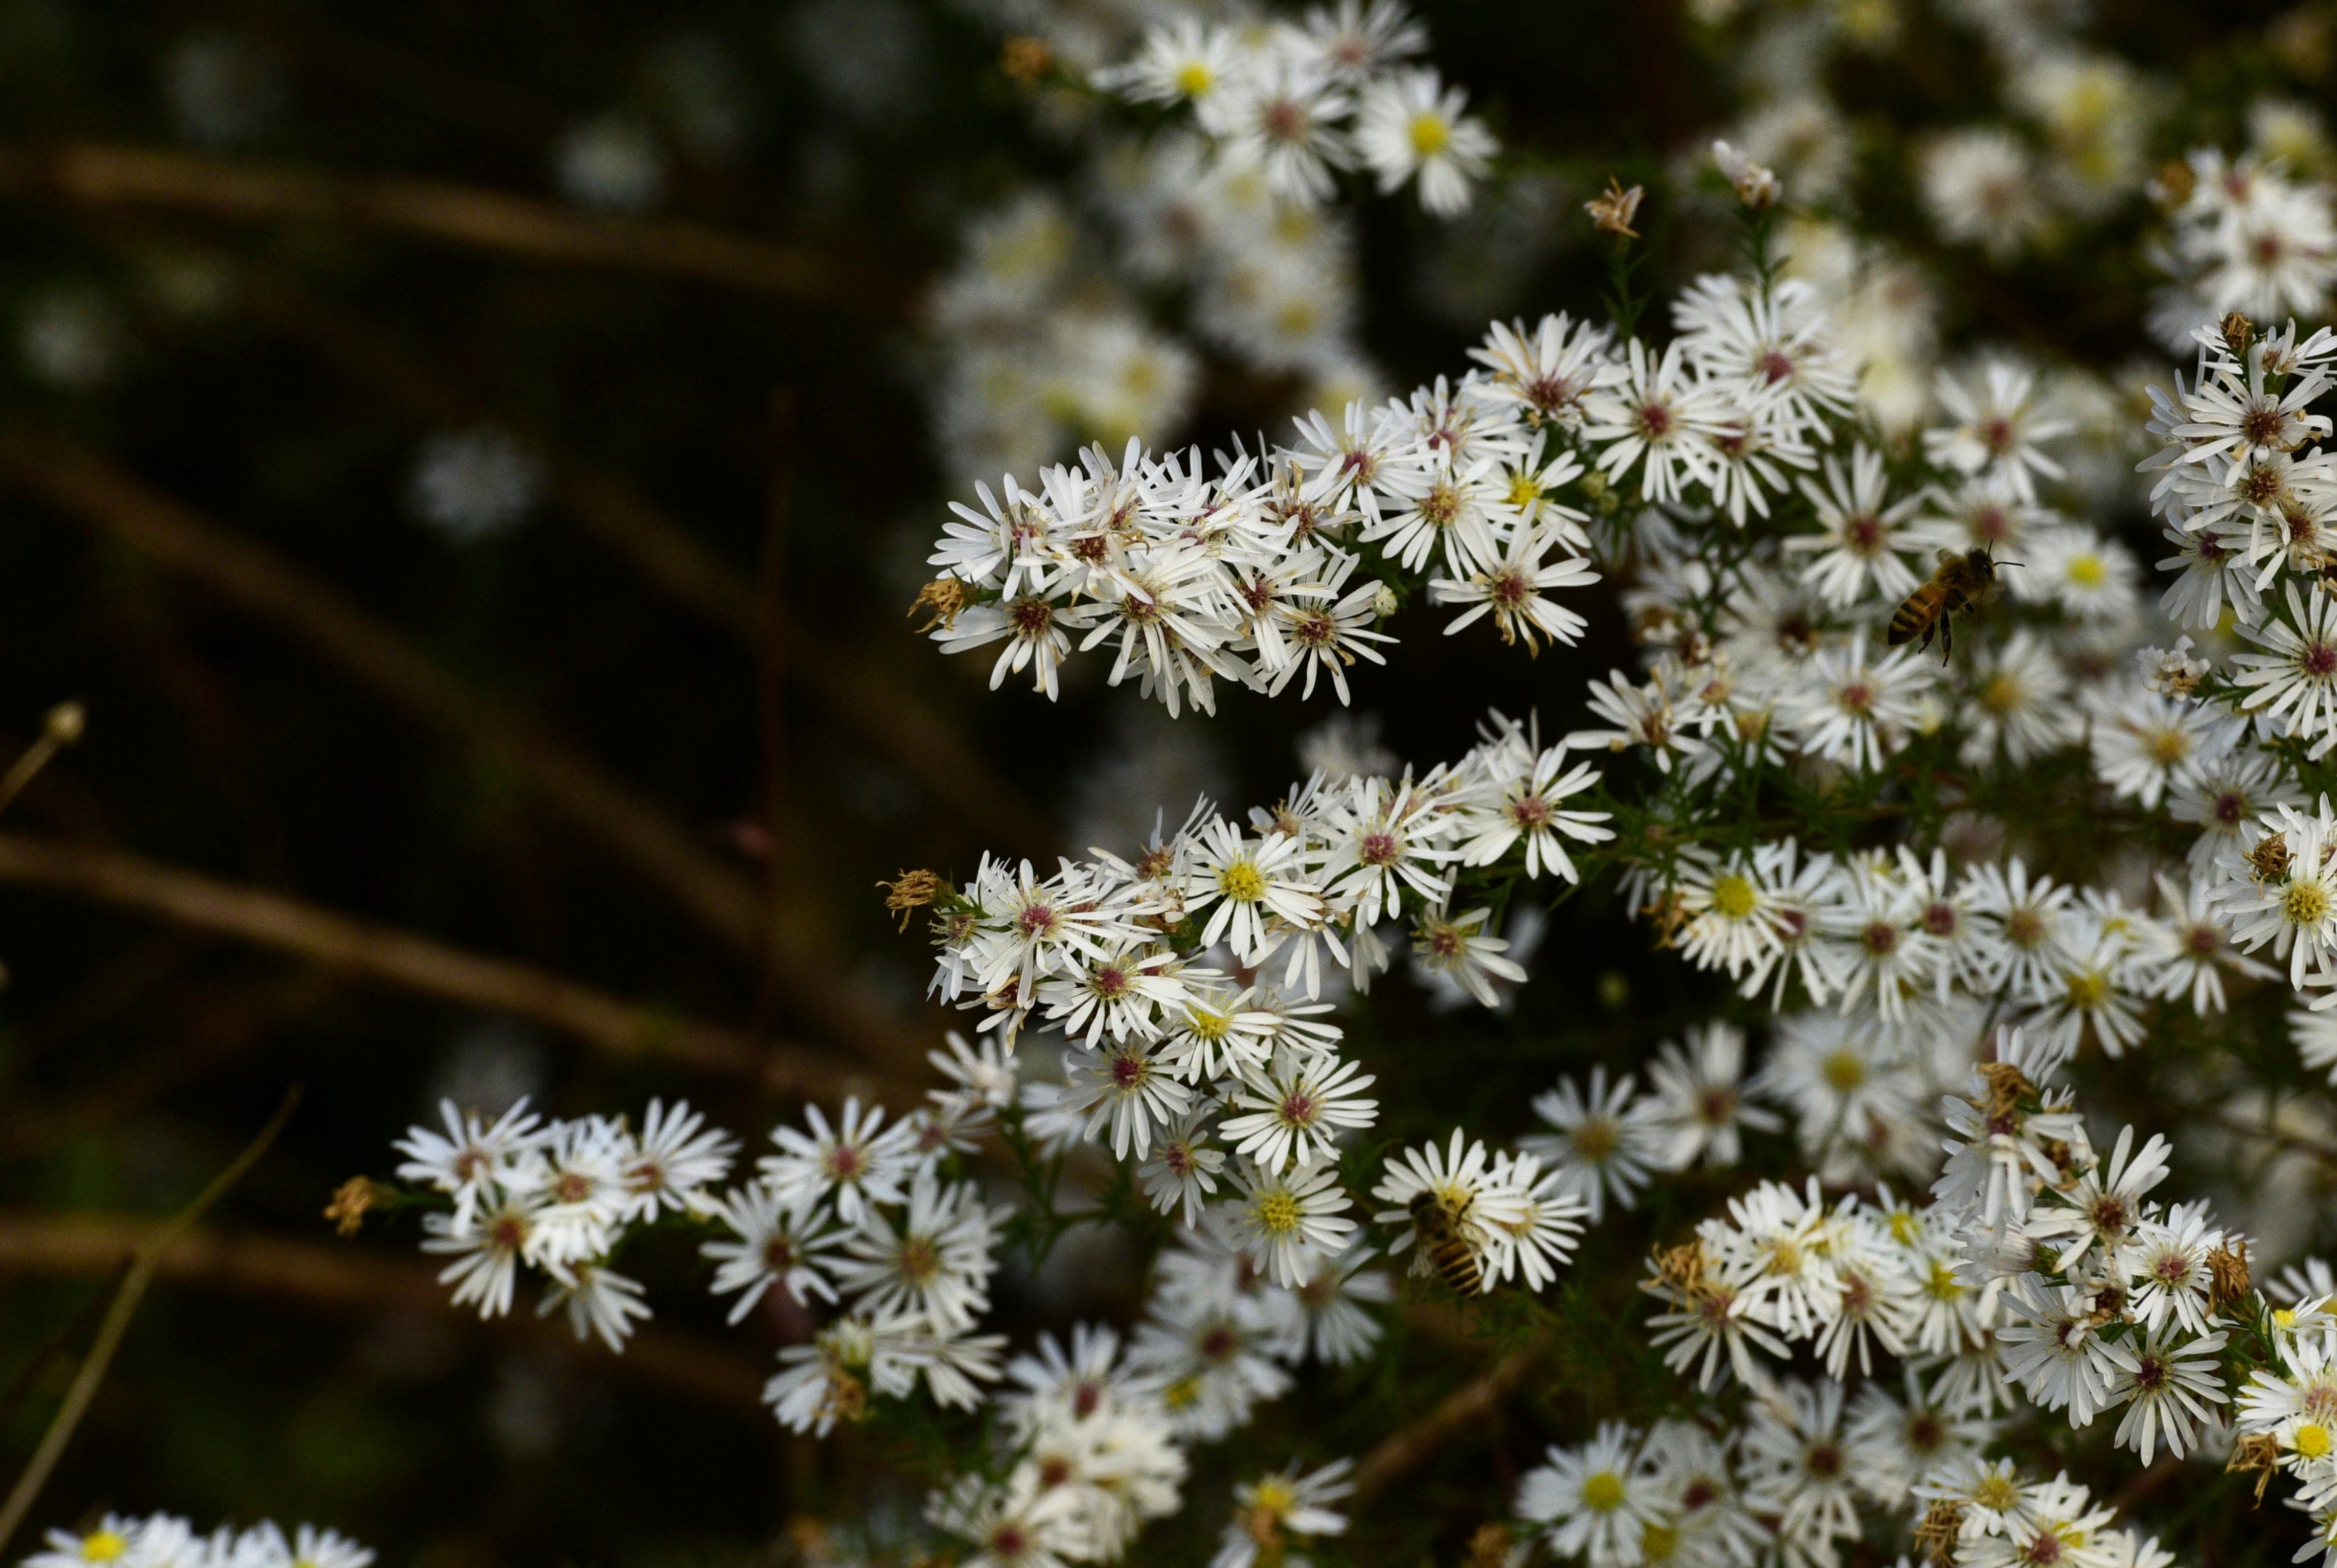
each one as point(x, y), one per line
point(1949, 557)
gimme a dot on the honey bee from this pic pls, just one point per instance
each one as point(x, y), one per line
point(1441, 1243)
point(1961, 584)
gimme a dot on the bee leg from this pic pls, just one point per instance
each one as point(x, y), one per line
point(1947, 637)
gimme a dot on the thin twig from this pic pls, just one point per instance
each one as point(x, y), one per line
point(403, 958)
point(490, 221)
point(117, 1321)
point(1403, 1450)
point(84, 484)
point(60, 730)
point(336, 1276)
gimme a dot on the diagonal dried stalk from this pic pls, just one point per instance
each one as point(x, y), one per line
point(462, 215)
point(142, 1264)
point(400, 957)
point(330, 1278)
point(84, 484)
point(1464, 1407)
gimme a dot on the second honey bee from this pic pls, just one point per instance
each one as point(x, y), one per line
point(1441, 1245)
point(1961, 584)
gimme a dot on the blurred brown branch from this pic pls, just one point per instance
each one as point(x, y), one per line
point(403, 958)
point(1464, 1407)
point(327, 1277)
point(885, 716)
point(494, 220)
point(723, 902)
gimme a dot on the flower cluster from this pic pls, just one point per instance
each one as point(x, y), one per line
point(167, 1541)
point(559, 1197)
point(2243, 236)
point(1090, 1457)
point(1250, 571)
point(1806, 1472)
point(1297, 102)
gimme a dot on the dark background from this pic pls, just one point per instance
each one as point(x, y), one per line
point(361, 724)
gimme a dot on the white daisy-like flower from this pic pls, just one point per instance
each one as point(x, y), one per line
point(1299, 1109)
point(772, 1243)
point(1659, 417)
point(1595, 1501)
point(1858, 551)
point(1528, 805)
point(1854, 712)
point(2294, 683)
point(857, 1162)
point(1460, 949)
point(1699, 1109)
point(1293, 1217)
point(1409, 125)
point(1998, 427)
point(1601, 1145)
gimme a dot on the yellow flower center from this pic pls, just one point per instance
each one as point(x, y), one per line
point(1242, 883)
point(1208, 1026)
point(1524, 489)
point(102, 1546)
point(1195, 79)
point(1733, 897)
point(1844, 1071)
point(2312, 1440)
point(1430, 134)
point(1277, 1212)
point(2086, 989)
point(1659, 1543)
point(1603, 1493)
point(2087, 570)
point(2305, 904)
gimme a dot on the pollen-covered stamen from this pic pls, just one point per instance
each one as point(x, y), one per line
point(1654, 418)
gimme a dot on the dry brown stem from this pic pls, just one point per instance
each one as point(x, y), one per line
point(490, 221)
point(1466, 1406)
point(724, 902)
point(402, 959)
point(324, 1277)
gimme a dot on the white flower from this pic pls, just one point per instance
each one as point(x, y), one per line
point(1458, 947)
point(1281, 116)
point(1602, 1145)
point(775, 1244)
point(935, 1262)
point(1509, 587)
point(1980, 188)
point(852, 1161)
point(1856, 713)
point(1861, 537)
point(1699, 1101)
point(1278, 1514)
point(2294, 681)
point(1998, 429)
point(2294, 910)
point(1409, 124)
point(1183, 1171)
point(1128, 1086)
point(599, 1301)
point(1299, 1109)
point(1550, 371)
point(1293, 1217)
point(1528, 804)
point(1595, 1500)
point(1250, 881)
point(488, 1252)
point(470, 1160)
point(1657, 412)
point(673, 1161)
